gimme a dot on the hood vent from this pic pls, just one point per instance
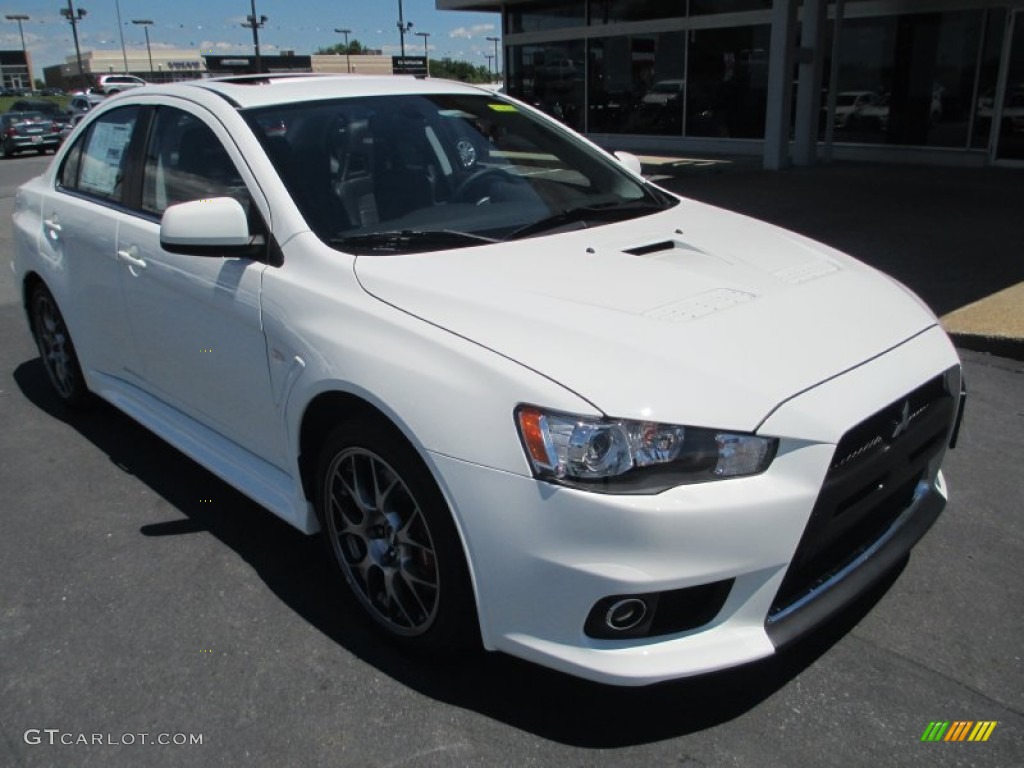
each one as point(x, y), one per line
point(643, 250)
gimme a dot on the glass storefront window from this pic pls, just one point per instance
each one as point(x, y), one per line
point(1010, 144)
point(700, 7)
point(550, 76)
point(637, 85)
point(908, 79)
point(541, 16)
point(613, 11)
point(728, 81)
point(988, 78)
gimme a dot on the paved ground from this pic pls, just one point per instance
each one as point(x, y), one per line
point(140, 594)
point(956, 235)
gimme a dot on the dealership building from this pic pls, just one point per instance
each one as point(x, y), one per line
point(168, 64)
point(794, 81)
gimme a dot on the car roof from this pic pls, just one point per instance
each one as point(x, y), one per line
point(247, 91)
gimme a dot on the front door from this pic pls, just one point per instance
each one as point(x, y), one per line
point(196, 319)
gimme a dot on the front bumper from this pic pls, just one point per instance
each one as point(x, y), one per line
point(543, 556)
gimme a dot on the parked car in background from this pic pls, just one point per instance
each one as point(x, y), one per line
point(108, 85)
point(80, 105)
point(28, 132)
point(526, 396)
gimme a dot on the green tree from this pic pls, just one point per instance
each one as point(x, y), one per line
point(459, 70)
point(355, 48)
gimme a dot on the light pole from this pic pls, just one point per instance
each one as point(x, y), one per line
point(256, 24)
point(495, 40)
point(426, 54)
point(348, 58)
point(489, 58)
point(145, 23)
point(120, 31)
point(74, 19)
point(403, 27)
point(20, 17)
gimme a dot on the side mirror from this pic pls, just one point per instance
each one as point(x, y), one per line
point(631, 161)
point(213, 227)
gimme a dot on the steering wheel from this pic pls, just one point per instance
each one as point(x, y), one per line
point(472, 188)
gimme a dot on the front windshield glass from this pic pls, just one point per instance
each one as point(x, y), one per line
point(422, 172)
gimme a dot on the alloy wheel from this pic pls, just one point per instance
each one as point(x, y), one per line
point(381, 539)
point(55, 346)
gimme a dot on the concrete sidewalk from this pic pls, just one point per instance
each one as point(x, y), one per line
point(953, 235)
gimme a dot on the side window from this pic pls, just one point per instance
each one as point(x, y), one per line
point(186, 161)
point(95, 166)
point(68, 176)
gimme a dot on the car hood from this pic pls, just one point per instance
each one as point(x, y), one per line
point(692, 316)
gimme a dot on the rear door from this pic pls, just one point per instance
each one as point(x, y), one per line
point(80, 218)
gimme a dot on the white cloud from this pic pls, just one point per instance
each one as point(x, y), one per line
point(475, 31)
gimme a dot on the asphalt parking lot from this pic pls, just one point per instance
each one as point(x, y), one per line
point(141, 595)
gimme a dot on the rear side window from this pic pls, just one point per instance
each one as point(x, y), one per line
point(96, 165)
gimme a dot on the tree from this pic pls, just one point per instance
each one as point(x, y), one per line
point(459, 70)
point(355, 48)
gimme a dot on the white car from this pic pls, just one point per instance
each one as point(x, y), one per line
point(664, 92)
point(108, 85)
point(80, 104)
point(527, 397)
point(850, 105)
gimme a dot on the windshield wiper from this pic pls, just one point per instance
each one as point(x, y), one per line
point(409, 240)
point(604, 213)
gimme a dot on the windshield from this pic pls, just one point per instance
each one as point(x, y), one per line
point(419, 172)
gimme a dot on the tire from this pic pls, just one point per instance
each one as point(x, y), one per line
point(4, 154)
point(57, 350)
point(391, 534)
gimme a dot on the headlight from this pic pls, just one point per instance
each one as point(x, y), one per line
point(623, 456)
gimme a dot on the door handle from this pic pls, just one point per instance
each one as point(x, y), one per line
point(53, 225)
point(130, 257)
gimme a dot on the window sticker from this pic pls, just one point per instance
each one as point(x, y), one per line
point(101, 166)
point(503, 107)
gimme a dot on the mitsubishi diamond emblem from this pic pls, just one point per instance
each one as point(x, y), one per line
point(904, 421)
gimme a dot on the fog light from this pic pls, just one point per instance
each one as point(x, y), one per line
point(626, 614)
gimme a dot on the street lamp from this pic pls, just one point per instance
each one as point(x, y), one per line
point(426, 54)
point(348, 58)
point(145, 24)
point(20, 17)
point(403, 27)
point(120, 31)
point(256, 24)
point(495, 40)
point(74, 19)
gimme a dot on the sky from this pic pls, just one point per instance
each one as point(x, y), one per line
point(299, 25)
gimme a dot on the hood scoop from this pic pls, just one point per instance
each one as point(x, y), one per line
point(664, 247)
point(644, 250)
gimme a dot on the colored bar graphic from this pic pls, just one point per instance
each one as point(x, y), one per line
point(959, 730)
point(982, 730)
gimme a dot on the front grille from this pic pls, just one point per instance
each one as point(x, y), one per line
point(874, 472)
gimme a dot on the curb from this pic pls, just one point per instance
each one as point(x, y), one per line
point(1002, 346)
